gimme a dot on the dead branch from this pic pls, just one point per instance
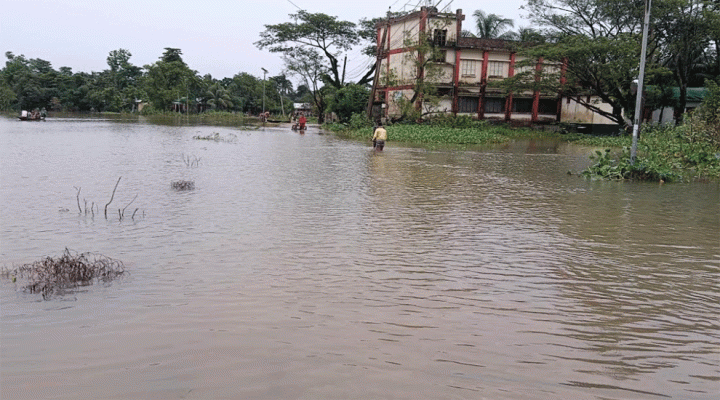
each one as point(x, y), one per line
point(78, 198)
point(131, 201)
point(112, 197)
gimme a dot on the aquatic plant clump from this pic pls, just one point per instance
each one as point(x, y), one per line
point(65, 273)
point(216, 137)
point(183, 185)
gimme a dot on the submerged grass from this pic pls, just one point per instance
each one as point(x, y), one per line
point(65, 273)
point(665, 154)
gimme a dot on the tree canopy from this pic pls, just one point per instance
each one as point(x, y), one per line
point(330, 36)
point(598, 41)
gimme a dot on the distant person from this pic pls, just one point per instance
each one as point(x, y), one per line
point(379, 138)
point(302, 122)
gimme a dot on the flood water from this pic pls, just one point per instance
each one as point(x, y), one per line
point(309, 267)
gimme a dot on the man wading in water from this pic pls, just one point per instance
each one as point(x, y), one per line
point(379, 138)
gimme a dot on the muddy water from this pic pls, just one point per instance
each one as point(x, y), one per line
point(307, 267)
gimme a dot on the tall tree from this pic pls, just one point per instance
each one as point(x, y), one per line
point(170, 79)
point(307, 64)
point(685, 32)
point(319, 31)
point(219, 97)
point(246, 92)
point(493, 26)
point(598, 41)
point(123, 80)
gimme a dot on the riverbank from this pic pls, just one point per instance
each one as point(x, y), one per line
point(665, 154)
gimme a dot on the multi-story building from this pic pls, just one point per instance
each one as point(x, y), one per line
point(461, 70)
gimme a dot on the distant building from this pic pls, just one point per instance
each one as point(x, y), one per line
point(466, 67)
point(304, 108)
point(666, 115)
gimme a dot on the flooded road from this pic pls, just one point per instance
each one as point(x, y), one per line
point(309, 267)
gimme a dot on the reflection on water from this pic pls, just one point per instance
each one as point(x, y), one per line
point(310, 267)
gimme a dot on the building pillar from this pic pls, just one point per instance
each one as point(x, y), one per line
point(509, 99)
point(563, 81)
point(483, 84)
point(456, 81)
point(422, 35)
point(536, 93)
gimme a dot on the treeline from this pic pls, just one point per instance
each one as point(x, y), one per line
point(166, 85)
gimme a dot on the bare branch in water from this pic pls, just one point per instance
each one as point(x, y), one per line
point(78, 198)
point(131, 201)
point(112, 197)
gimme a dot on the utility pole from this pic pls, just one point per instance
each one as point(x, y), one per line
point(264, 75)
point(641, 81)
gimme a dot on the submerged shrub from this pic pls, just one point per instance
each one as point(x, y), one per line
point(182, 185)
point(65, 273)
point(216, 137)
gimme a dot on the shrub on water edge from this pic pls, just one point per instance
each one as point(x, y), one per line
point(665, 153)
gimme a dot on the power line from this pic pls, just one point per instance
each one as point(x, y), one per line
point(296, 6)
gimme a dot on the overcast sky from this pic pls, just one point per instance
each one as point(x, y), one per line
point(216, 36)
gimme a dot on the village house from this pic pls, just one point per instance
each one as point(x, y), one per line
point(462, 72)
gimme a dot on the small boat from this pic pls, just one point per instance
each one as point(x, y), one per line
point(31, 116)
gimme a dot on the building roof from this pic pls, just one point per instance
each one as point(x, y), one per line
point(694, 94)
point(480, 43)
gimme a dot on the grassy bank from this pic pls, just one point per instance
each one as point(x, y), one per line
point(665, 154)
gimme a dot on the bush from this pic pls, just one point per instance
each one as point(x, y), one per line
point(65, 273)
point(704, 123)
point(455, 121)
point(665, 153)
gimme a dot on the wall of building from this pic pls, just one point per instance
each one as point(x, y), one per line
point(576, 113)
point(465, 73)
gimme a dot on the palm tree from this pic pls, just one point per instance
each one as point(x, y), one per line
point(527, 34)
point(219, 97)
point(493, 26)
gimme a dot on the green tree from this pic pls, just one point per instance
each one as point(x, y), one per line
point(493, 26)
point(246, 92)
point(685, 34)
point(7, 97)
point(307, 65)
point(318, 31)
point(598, 41)
point(349, 100)
point(170, 79)
point(219, 97)
point(120, 82)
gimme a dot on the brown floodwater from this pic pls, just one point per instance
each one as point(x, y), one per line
point(309, 267)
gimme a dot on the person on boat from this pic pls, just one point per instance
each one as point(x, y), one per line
point(379, 138)
point(302, 121)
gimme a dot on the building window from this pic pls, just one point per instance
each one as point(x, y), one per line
point(547, 106)
point(522, 106)
point(440, 37)
point(468, 104)
point(494, 105)
point(439, 56)
point(497, 69)
point(468, 68)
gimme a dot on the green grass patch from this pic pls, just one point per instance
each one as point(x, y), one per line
point(664, 154)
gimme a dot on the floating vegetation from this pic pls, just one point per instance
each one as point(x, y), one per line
point(65, 273)
point(216, 137)
point(183, 185)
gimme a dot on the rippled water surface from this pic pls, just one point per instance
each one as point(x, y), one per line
point(308, 267)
